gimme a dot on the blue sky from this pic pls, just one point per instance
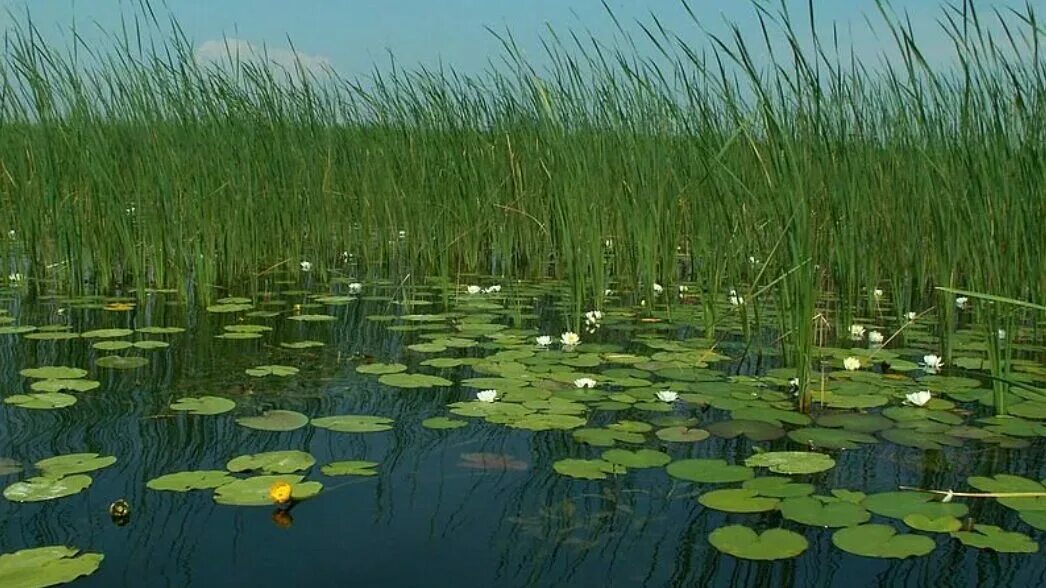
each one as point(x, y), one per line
point(354, 36)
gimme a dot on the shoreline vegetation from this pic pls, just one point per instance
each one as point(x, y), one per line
point(814, 180)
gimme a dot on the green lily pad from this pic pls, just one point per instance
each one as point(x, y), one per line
point(160, 330)
point(872, 540)
point(45, 488)
point(818, 513)
point(857, 422)
point(898, 505)
point(744, 543)
point(271, 370)
point(354, 423)
point(995, 539)
point(607, 437)
point(682, 434)
point(439, 423)
point(830, 438)
point(203, 405)
point(754, 430)
point(73, 463)
point(79, 385)
point(54, 372)
point(313, 318)
point(1032, 409)
point(403, 380)
point(46, 566)
point(708, 471)
point(642, 458)
point(791, 462)
point(778, 487)
point(41, 401)
point(275, 420)
point(255, 491)
point(774, 416)
point(306, 344)
point(107, 333)
point(1001, 483)
point(587, 469)
point(228, 308)
point(186, 481)
point(272, 462)
point(1035, 518)
point(120, 362)
point(921, 522)
point(381, 368)
point(350, 468)
point(739, 500)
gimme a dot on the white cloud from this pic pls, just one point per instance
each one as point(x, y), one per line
point(220, 50)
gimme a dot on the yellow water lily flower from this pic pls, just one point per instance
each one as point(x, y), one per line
point(280, 492)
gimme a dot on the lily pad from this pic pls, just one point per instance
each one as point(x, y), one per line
point(898, 505)
point(350, 468)
point(46, 566)
point(587, 469)
point(306, 344)
point(1002, 483)
point(682, 434)
point(313, 318)
point(228, 308)
point(46, 488)
point(203, 405)
point(354, 423)
point(107, 333)
point(708, 471)
point(873, 540)
point(255, 491)
point(41, 401)
point(272, 462)
point(73, 463)
point(120, 362)
point(830, 438)
point(743, 542)
point(739, 500)
point(995, 539)
point(186, 481)
point(606, 437)
point(271, 370)
point(791, 462)
point(642, 458)
point(275, 420)
point(1035, 518)
point(54, 372)
point(440, 423)
point(921, 522)
point(818, 513)
point(778, 487)
point(381, 368)
point(754, 430)
point(79, 385)
point(403, 380)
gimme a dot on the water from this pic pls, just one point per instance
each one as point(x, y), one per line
point(425, 519)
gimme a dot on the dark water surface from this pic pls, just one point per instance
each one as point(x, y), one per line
point(425, 520)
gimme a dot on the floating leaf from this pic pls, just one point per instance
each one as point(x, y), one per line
point(402, 380)
point(439, 423)
point(111, 345)
point(995, 539)
point(381, 368)
point(830, 438)
point(46, 488)
point(708, 471)
point(1035, 518)
point(160, 330)
point(754, 430)
point(271, 370)
point(255, 491)
point(642, 458)
point(227, 308)
point(791, 462)
point(921, 522)
point(46, 566)
point(873, 540)
point(107, 333)
point(777, 487)
point(350, 468)
point(275, 420)
point(1004, 483)
point(203, 405)
point(119, 362)
point(41, 401)
point(818, 513)
point(312, 318)
point(307, 344)
point(898, 505)
point(743, 542)
point(681, 434)
point(587, 469)
point(606, 437)
point(73, 463)
point(858, 422)
point(739, 500)
point(354, 423)
point(53, 372)
point(272, 462)
point(186, 481)
point(79, 385)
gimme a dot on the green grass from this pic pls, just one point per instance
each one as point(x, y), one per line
point(146, 168)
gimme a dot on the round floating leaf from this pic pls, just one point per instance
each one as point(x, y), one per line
point(46, 566)
point(275, 420)
point(708, 471)
point(271, 370)
point(313, 318)
point(186, 481)
point(402, 380)
point(830, 438)
point(1001, 483)
point(150, 344)
point(818, 513)
point(350, 468)
point(874, 540)
point(60, 385)
point(778, 487)
point(354, 423)
point(439, 423)
point(587, 469)
point(119, 362)
point(160, 330)
point(642, 458)
point(791, 462)
point(1035, 518)
point(203, 405)
point(272, 462)
point(226, 308)
point(682, 434)
point(307, 344)
point(381, 368)
point(898, 505)
point(46, 488)
point(41, 401)
point(606, 437)
point(107, 334)
point(743, 542)
point(858, 422)
point(255, 491)
point(54, 372)
point(1033, 409)
point(774, 416)
point(995, 539)
point(546, 422)
point(921, 522)
point(754, 430)
point(740, 500)
point(73, 463)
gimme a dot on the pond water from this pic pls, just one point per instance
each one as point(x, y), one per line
point(491, 501)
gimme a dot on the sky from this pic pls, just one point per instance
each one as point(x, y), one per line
point(356, 36)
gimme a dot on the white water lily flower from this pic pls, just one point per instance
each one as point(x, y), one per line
point(932, 363)
point(878, 292)
point(1001, 334)
point(856, 332)
point(543, 340)
point(609, 243)
point(11, 234)
point(355, 288)
point(852, 364)
point(752, 260)
point(569, 339)
point(593, 316)
point(875, 338)
point(473, 289)
point(919, 398)
point(961, 301)
point(734, 299)
point(658, 288)
point(487, 395)
point(608, 292)
point(403, 234)
point(667, 396)
point(305, 266)
point(912, 316)
point(492, 289)
point(585, 383)
point(14, 277)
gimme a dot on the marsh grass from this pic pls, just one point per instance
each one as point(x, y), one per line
point(140, 166)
